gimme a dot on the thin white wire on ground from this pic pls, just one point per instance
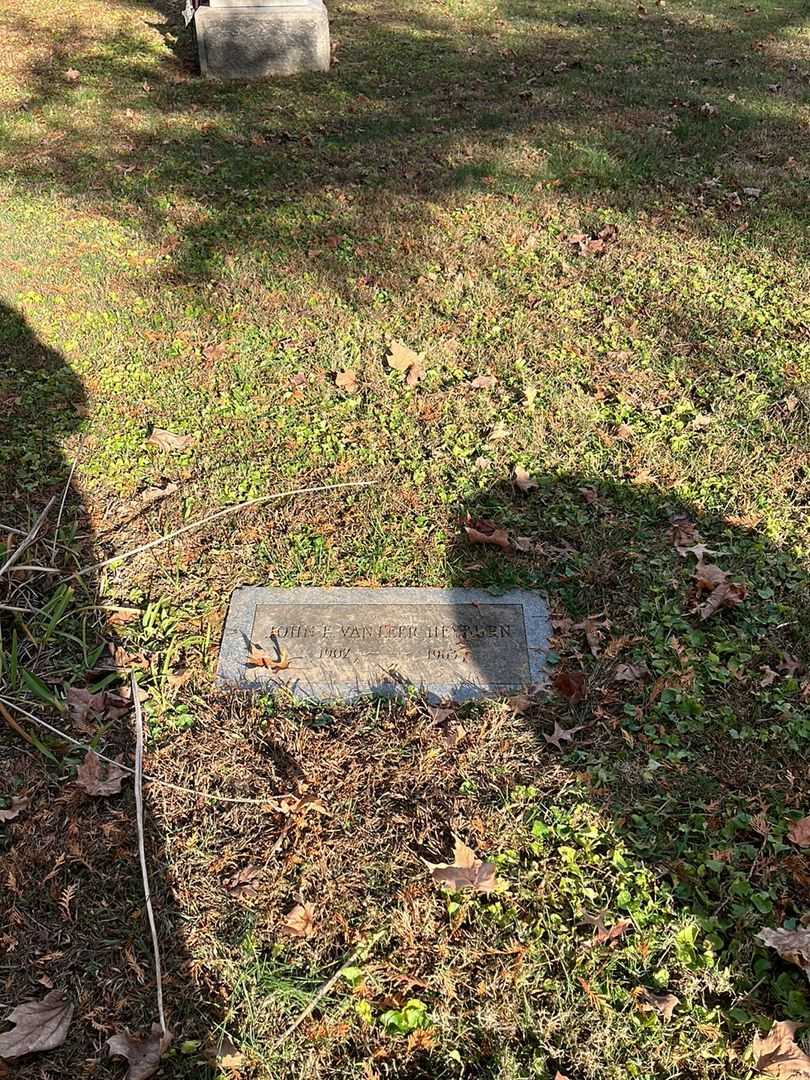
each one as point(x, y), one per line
point(215, 517)
point(29, 539)
point(147, 892)
point(243, 799)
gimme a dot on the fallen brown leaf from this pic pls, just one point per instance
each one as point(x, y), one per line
point(168, 441)
point(778, 1054)
point(727, 594)
point(84, 707)
point(592, 627)
point(700, 551)
point(214, 352)
point(708, 576)
point(301, 920)
point(481, 531)
point(560, 735)
point(245, 882)
point(72, 75)
point(347, 380)
point(594, 242)
point(651, 1000)
point(570, 684)
point(630, 672)
point(799, 832)
point(523, 480)
point(226, 1055)
point(789, 665)
point(407, 362)
point(144, 1054)
point(769, 676)
point(792, 945)
point(401, 357)
point(99, 779)
point(465, 872)
point(483, 382)
point(603, 934)
point(684, 533)
point(14, 810)
point(38, 1025)
point(520, 703)
point(257, 657)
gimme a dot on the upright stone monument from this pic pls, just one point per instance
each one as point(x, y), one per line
point(344, 643)
point(254, 39)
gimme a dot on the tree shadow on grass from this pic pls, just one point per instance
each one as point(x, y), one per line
point(606, 108)
point(691, 734)
point(73, 915)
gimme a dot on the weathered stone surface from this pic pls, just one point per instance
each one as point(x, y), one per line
point(455, 644)
point(239, 39)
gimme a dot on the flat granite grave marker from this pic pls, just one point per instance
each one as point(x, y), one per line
point(343, 643)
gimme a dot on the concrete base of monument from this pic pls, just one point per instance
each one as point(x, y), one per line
point(256, 39)
point(342, 644)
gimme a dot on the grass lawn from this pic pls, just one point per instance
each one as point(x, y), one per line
point(231, 263)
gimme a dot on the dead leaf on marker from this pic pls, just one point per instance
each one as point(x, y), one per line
point(560, 735)
point(483, 382)
point(465, 872)
point(38, 1025)
point(13, 811)
point(778, 1054)
point(347, 380)
point(143, 1055)
point(481, 531)
point(792, 945)
point(257, 657)
point(168, 441)
point(799, 832)
point(301, 920)
point(570, 684)
point(99, 779)
point(245, 882)
point(523, 480)
point(603, 934)
point(653, 1001)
